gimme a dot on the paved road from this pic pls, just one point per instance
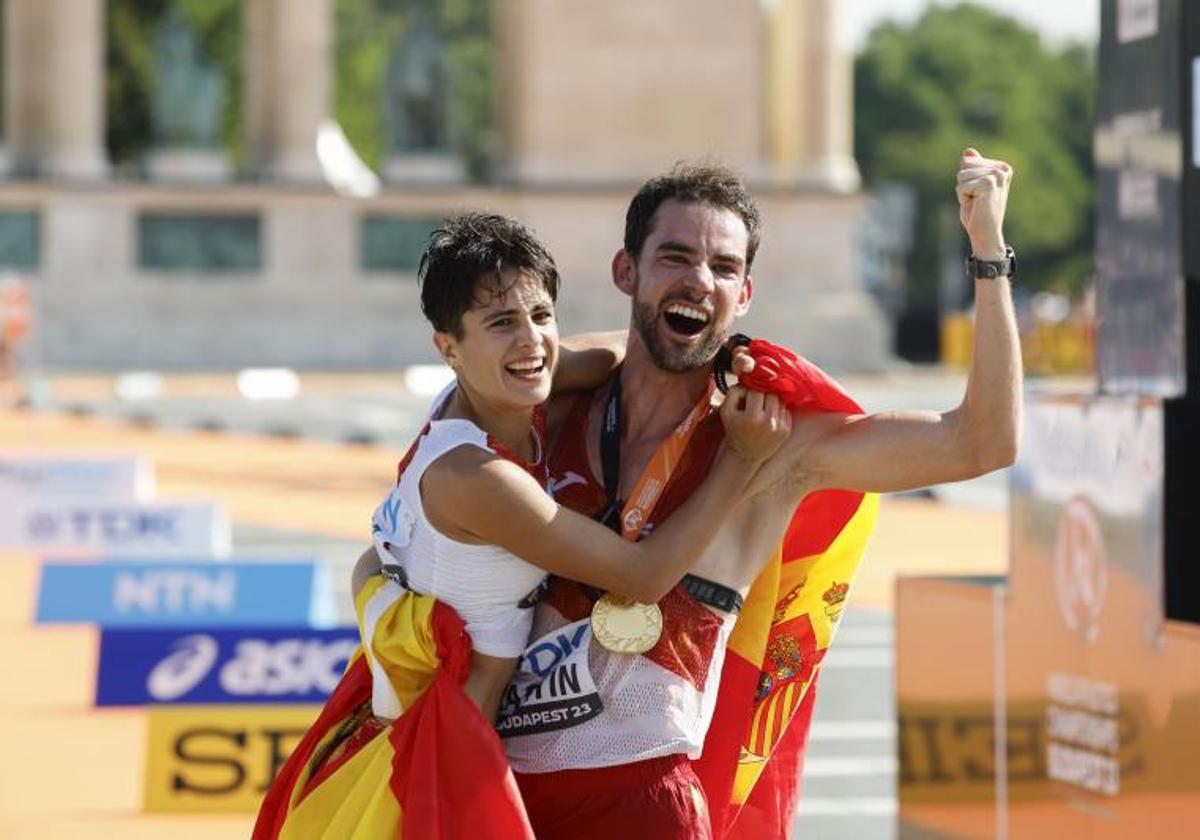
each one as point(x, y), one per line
point(849, 786)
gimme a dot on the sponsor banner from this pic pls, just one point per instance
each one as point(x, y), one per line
point(74, 478)
point(124, 528)
point(218, 759)
point(191, 666)
point(138, 594)
point(331, 607)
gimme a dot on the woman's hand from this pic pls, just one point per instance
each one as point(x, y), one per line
point(756, 424)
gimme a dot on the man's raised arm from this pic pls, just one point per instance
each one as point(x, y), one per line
point(903, 450)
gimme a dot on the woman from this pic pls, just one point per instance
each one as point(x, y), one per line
point(471, 524)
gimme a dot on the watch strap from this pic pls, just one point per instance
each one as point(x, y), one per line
point(992, 269)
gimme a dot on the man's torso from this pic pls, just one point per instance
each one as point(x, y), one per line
point(575, 704)
point(746, 540)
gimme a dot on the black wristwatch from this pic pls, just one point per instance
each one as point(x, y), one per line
point(991, 269)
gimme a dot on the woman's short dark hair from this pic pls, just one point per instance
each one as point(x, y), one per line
point(470, 250)
point(702, 183)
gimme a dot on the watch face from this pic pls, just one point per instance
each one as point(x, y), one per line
point(990, 270)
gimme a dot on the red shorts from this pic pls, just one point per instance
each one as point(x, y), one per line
point(659, 798)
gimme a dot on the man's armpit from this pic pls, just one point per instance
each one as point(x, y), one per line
point(797, 467)
point(800, 477)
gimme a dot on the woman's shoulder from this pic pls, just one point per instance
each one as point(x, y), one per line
point(467, 485)
point(438, 438)
point(467, 466)
point(454, 432)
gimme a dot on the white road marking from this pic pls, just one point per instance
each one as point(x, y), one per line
point(852, 730)
point(872, 634)
point(850, 806)
point(822, 768)
point(859, 657)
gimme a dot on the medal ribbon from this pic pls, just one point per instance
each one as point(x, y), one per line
point(657, 474)
point(620, 626)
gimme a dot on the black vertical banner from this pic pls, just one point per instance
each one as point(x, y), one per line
point(1191, 177)
point(1181, 573)
point(1139, 169)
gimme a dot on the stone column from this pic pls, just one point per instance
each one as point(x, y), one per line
point(289, 72)
point(831, 130)
point(594, 93)
point(511, 22)
point(810, 97)
point(54, 104)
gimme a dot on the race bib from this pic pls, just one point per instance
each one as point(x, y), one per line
point(552, 687)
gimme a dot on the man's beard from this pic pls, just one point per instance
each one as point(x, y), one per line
point(672, 358)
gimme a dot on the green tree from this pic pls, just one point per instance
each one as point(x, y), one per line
point(965, 76)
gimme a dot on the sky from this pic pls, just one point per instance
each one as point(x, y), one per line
point(1058, 20)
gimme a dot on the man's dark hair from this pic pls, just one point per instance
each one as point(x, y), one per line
point(703, 183)
point(466, 254)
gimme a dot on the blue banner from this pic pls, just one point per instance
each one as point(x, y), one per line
point(212, 594)
point(189, 666)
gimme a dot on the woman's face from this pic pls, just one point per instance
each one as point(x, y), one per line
point(509, 344)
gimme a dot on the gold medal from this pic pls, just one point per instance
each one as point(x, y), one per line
point(624, 626)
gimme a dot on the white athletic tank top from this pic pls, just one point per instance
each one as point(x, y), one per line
point(483, 583)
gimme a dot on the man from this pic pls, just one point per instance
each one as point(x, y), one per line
point(613, 701)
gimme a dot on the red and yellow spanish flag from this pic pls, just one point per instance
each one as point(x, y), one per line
point(754, 751)
point(436, 771)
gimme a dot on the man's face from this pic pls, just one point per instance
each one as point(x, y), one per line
point(688, 284)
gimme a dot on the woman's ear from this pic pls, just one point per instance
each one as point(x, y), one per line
point(447, 348)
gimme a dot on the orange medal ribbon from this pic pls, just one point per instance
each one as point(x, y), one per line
point(658, 472)
point(618, 624)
